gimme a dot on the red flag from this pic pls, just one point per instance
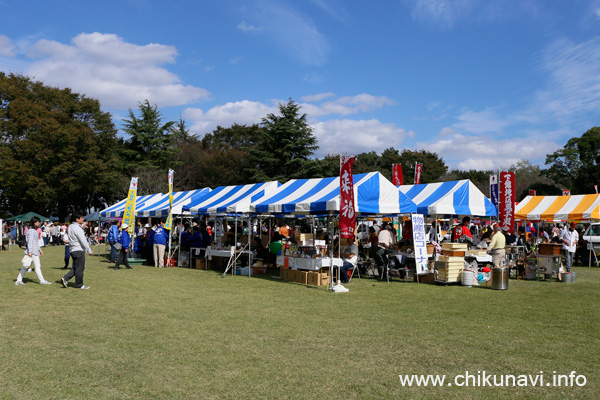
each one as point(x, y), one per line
point(347, 210)
point(532, 192)
point(507, 201)
point(397, 178)
point(566, 192)
point(418, 170)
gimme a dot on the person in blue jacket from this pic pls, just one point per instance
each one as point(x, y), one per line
point(161, 236)
point(125, 241)
point(113, 236)
point(138, 244)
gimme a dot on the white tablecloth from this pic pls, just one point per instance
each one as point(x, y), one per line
point(311, 264)
point(210, 253)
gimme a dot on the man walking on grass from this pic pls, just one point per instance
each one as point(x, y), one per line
point(78, 244)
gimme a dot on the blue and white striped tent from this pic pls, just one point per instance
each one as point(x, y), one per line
point(230, 199)
point(161, 208)
point(449, 198)
point(373, 195)
point(117, 210)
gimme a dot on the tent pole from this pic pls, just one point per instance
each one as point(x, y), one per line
point(234, 246)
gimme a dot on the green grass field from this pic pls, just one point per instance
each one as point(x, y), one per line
point(174, 333)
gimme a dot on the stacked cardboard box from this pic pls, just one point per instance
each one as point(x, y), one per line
point(449, 268)
point(454, 249)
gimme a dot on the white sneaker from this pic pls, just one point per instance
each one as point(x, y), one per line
point(17, 283)
point(45, 283)
point(84, 287)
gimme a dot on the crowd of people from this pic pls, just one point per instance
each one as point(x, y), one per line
point(149, 241)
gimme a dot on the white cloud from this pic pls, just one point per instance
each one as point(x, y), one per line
point(447, 13)
point(487, 152)
point(354, 137)
point(240, 112)
point(118, 73)
point(292, 31)
point(334, 136)
point(480, 122)
point(244, 27)
point(317, 97)
point(573, 85)
point(7, 49)
point(347, 105)
point(447, 131)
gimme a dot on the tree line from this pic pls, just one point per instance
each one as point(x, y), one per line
point(59, 152)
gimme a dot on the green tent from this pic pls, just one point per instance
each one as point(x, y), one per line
point(27, 217)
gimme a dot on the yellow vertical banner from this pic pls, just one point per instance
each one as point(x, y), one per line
point(170, 217)
point(129, 213)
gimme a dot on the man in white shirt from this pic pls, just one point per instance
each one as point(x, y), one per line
point(569, 238)
point(350, 257)
point(78, 245)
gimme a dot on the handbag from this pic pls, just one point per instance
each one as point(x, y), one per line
point(118, 246)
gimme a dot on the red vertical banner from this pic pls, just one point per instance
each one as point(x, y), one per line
point(418, 170)
point(347, 211)
point(397, 178)
point(566, 192)
point(507, 201)
point(532, 192)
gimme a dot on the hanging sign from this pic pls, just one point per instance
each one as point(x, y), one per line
point(420, 243)
point(347, 224)
point(170, 217)
point(397, 178)
point(566, 192)
point(418, 171)
point(507, 201)
point(129, 213)
point(494, 191)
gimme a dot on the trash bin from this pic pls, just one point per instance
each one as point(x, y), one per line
point(499, 278)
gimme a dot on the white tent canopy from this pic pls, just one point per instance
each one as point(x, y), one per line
point(450, 198)
point(373, 195)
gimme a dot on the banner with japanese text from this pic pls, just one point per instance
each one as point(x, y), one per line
point(170, 216)
point(420, 243)
point(418, 171)
point(397, 178)
point(507, 201)
point(129, 213)
point(495, 199)
point(347, 224)
point(566, 192)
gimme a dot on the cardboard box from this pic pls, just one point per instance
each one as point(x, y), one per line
point(549, 249)
point(302, 277)
point(455, 246)
point(453, 253)
point(289, 275)
point(425, 278)
point(314, 278)
point(200, 263)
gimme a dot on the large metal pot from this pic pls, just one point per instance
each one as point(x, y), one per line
point(499, 278)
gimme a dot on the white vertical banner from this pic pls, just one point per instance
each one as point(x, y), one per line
point(420, 243)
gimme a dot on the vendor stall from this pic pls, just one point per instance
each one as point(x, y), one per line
point(450, 198)
point(559, 208)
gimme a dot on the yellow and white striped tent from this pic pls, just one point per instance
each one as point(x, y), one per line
point(559, 208)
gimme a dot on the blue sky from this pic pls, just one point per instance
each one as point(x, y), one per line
point(482, 83)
